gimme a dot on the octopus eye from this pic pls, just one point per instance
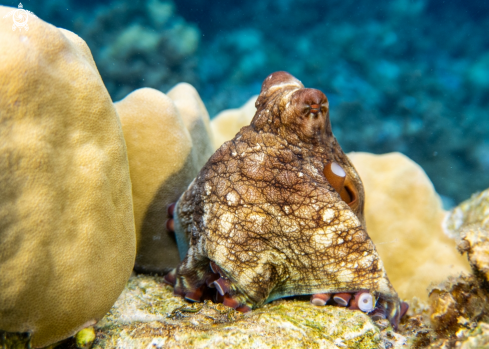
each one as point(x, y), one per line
point(315, 108)
point(351, 197)
point(366, 302)
point(336, 176)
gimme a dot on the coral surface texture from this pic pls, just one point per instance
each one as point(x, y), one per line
point(67, 240)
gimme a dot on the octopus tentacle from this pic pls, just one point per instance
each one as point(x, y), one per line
point(342, 299)
point(320, 298)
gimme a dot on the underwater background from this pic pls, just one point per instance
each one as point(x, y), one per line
point(400, 75)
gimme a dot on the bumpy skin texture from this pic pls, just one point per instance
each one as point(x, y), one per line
point(263, 211)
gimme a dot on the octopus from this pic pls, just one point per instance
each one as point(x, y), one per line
point(278, 212)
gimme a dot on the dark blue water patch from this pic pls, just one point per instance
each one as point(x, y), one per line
point(449, 9)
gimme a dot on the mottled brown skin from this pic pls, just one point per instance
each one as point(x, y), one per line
point(264, 212)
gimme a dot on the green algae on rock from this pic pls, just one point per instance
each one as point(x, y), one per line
point(148, 314)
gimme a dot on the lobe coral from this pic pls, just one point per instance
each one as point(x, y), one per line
point(278, 211)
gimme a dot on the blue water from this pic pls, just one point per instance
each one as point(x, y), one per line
point(408, 76)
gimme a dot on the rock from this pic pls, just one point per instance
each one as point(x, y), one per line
point(168, 141)
point(148, 315)
point(456, 303)
point(469, 222)
point(404, 215)
point(477, 338)
point(67, 227)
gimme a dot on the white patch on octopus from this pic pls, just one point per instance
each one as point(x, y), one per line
point(208, 188)
point(345, 275)
point(349, 217)
point(258, 157)
point(328, 215)
point(232, 198)
point(323, 238)
point(226, 222)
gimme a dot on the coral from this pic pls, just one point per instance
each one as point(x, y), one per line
point(167, 143)
point(404, 215)
point(147, 314)
point(67, 226)
point(472, 213)
point(459, 306)
point(469, 222)
point(196, 119)
point(278, 211)
point(228, 122)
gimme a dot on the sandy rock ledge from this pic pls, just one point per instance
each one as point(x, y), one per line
point(147, 315)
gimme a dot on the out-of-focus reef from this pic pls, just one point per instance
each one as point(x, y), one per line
point(168, 141)
point(67, 241)
point(418, 88)
point(139, 44)
point(148, 315)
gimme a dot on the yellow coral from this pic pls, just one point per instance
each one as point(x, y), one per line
point(164, 157)
point(196, 119)
point(228, 122)
point(67, 227)
point(404, 215)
